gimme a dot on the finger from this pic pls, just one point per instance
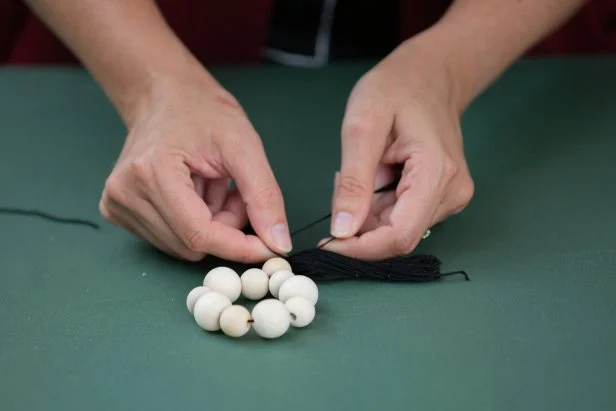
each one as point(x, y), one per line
point(233, 212)
point(190, 219)
point(143, 216)
point(378, 218)
point(199, 184)
point(133, 226)
point(248, 165)
point(384, 176)
point(445, 210)
point(458, 196)
point(409, 219)
point(369, 246)
point(365, 130)
point(216, 194)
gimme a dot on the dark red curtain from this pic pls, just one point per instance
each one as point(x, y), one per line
point(210, 29)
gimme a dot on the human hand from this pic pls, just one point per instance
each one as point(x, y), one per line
point(171, 184)
point(401, 117)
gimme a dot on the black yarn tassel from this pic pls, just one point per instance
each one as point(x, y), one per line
point(323, 265)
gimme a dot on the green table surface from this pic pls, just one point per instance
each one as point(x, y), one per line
point(95, 320)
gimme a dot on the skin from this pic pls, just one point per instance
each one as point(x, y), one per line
point(188, 137)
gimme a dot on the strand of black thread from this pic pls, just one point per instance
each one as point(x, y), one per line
point(49, 217)
point(387, 187)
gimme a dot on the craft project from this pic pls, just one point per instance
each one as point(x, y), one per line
point(212, 304)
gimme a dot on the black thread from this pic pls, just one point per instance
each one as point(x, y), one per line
point(320, 220)
point(388, 187)
point(49, 217)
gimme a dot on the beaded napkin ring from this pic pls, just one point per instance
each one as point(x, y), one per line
point(292, 302)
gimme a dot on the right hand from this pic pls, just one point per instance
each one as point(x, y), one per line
point(188, 139)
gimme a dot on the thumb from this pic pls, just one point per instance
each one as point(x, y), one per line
point(365, 130)
point(247, 164)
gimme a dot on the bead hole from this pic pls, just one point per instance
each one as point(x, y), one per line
point(293, 317)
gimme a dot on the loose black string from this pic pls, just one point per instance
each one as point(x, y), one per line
point(387, 187)
point(49, 217)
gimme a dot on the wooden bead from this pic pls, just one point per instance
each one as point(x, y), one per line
point(255, 283)
point(225, 281)
point(277, 279)
point(302, 311)
point(208, 309)
point(276, 264)
point(299, 285)
point(194, 295)
point(271, 318)
point(235, 321)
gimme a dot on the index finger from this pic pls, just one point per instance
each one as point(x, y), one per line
point(188, 216)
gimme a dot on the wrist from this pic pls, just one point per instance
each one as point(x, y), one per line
point(434, 59)
point(479, 40)
point(133, 87)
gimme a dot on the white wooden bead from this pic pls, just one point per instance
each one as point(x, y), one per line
point(302, 311)
point(277, 279)
point(299, 285)
point(235, 321)
point(225, 281)
point(208, 309)
point(255, 283)
point(194, 295)
point(271, 318)
point(275, 264)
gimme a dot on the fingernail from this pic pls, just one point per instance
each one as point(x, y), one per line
point(281, 236)
point(342, 224)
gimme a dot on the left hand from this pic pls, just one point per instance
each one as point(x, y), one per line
point(402, 116)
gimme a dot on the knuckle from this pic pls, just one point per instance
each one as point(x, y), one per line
point(352, 187)
point(465, 194)
point(114, 189)
point(235, 145)
point(405, 242)
point(356, 128)
point(197, 241)
point(227, 100)
point(467, 191)
point(451, 168)
point(140, 170)
point(267, 197)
